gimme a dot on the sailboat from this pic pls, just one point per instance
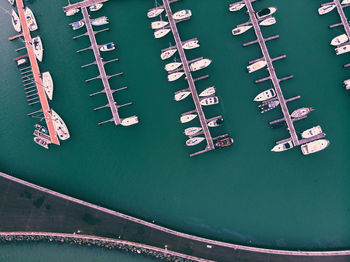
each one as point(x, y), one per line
point(16, 22)
point(60, 127)
point(187, 118)
point(191, 131)
point(167, 54)
point(132, 120)
point(47, 84)
point(30, 19)
point(38, 48)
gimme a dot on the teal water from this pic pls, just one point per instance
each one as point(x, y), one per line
point(245, 194)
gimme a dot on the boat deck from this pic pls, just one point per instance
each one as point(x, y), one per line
point(36, 73)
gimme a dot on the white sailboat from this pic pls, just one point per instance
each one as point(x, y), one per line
point(268, 21)
point(30, 19)
point(209, 101)
point(167, 54)
point(194, 141)
point(190, 44)
point(340, 39)
point(132, 120)
point(282, 147)
point(16, 22)
point(155, 12)
point(314, 146)
point(256, 66)
point(187, 118)
point(95, 7)
point(343, 49)
point(161, 32)
point(266, 12)
point(236, 7)
point(182, 14)
point(158, 24)
point(265, 95)
point(180, 95)
point(47, 84)
point(314, 131)
point(38, 48)
point(241, 29)
point(326, 9)
point(174, 76)
point(60, 127)
point(208, 91)
point(198, 65)
point(301, 112)
point(191, 131)
point(172, 66)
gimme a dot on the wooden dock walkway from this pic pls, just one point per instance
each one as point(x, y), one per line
point(189, 78)
point(273, 76)
point(36, 73)
point(100, 64)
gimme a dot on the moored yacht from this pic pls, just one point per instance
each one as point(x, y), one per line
point(216, 122)
point(326, 9)
point(209, 101)
point(175, 76)
point(343, 49)
point(72, 11)
point(60, 127)
point(241, 29)
point(161, 32)
point(155, 12)
point(268, 21)
point(41, 142)
point(12, 2)
point(198, 65)
point(340, 39)
point(187, 118)
point(30, 19)
point(347, 84)
point(256, 66)
point(208, 91)
point(314, 131)
point(314, 146)
point(95, 7)
point(38, 48)
point(180, 95)
point(16, 22)
point(22, 61)
point(265, 95)
point(172, 66)
point(266, 12)
point(282, 147)
point(77, 25)
point(225, 142)
point(194, 141)
point(268, 105)
point(345, 2)
point(107, 47)
point(47, 84)
point(132, 120)
point(159, 24)
point(191, 131)
point(182, 14)
point(190, 45)
point(301, 112)
point(103, 20)
point(167, 54)
point(236, 7)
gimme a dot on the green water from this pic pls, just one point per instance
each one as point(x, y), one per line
point(245, 194)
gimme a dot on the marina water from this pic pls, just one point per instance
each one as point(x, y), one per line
point(244, 194)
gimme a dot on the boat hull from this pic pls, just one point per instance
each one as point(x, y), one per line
point(60, 127)
point(314, 146)
point(16, 22)
point(187, 118)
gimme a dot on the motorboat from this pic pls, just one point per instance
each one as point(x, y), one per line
point(225, 142)
point(194, 141)
point(314, 131)
point(103, 20)
point(38, 48)
point(47, 84)
point(343, 49)
point(191, 131)
point(347, 84)
point(72, 11)
point(174, 76)
point(159, 24)
point(314, 146)
point(266, 12)
point(22, 61)
point(241, 29)
point(42, 129)
point(208, 91)
point(301, 112)
point(282, 147)
point(107, 47)
point(256, 66)
point(236, 7)
point(60, 127)
point(95, 7)
point(172, 66)
point(209, 101)
point(268, 21)
point(167, 54)
point(41, 142)
point(180, 95)
point(30, 19)
point(16, 22)
point(190, 44)
point(216, 122)
point(268, 105)
point(198, 65)
point(265, 95)
point(345, 2)
point(12, 2)
point(326, 9)
point(187, 118)
point(77, 25)
point(182, 14)
point(132, 120)
point(161, 32)
point(155, 12)
point(340, 39)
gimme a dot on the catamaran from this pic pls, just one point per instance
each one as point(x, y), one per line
point(161, 32)
point(180, 95)
point(16, 22)
point(187, 118)
point(301, 112)
point(266, 12)
point(103, 20)
point(47, 84)
point(167, 54)
point(172, 66)
point(95, 7)
point(132, 120)
point(60, 127)
point(107, 47)
point(340, 39)
point(72, 11)
point(256, 66)
point(77, 25)
point(208, 91)
point(30, 19)
point(194, 141)
point(343, 49)
point(282, 147)
point(155, 12)
point(191, 131)
point(38, 48)
point(174, 76)
point(241, 29)
point(236, 7)
point(314, 146)
point(326, 9)
point(209, 101)
point(265, 95)
point(268, 21)
point(159, 24)
point(190, 45)
point(314, 131)
point(198, 65)
point(182, 14)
